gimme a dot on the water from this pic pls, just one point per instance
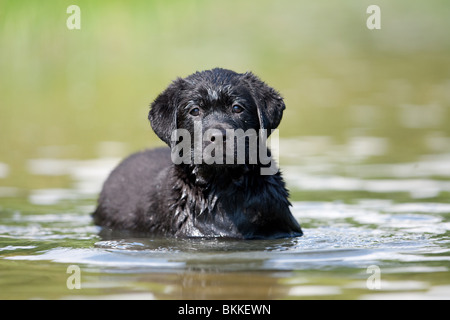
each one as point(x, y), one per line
point(375, 246)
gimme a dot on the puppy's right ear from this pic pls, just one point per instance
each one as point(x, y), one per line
point(163, 111)
point(270, 104)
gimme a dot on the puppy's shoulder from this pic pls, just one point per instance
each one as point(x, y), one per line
point(140, 166)
point(148, 159)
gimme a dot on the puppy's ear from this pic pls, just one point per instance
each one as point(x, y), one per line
point(163, 111)
point(269, 102)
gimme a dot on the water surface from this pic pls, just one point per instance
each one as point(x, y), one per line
point(406, 241)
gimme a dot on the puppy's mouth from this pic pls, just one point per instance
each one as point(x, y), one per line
point(220, 147)
point(215, 155)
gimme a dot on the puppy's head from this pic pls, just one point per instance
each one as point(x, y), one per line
point(216, 100)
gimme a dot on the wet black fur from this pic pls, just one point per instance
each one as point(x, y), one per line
point(149, 194)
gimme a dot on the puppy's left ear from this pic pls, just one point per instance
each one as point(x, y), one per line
point(163, 111)
point(269, 102)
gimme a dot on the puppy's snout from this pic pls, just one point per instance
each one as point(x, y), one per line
point(216, 132)
point(217, 135)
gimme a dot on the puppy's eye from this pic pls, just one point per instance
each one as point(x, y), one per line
point(237, 108)
point(194, 111)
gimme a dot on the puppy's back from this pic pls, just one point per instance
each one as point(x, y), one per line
point(126, 194)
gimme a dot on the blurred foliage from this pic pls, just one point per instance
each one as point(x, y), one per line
point(72, 89)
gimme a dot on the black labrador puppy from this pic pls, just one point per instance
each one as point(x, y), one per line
point(217, 179)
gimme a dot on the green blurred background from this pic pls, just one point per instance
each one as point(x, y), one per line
point(64, 93)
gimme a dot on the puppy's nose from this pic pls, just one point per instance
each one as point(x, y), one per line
point(217, 135)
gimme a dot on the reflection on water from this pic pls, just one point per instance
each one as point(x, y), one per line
point(407, 238)
point(345, 235)
point(349, 170)
point(87, 177)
